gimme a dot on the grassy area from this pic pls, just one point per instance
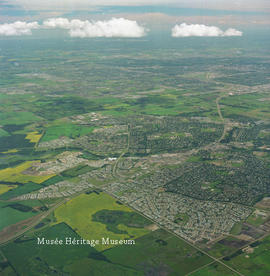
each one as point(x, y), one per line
point(236, 228)
point(78, 170)
point(159, 252)
point(225, 247)
point(53, 180)
point(5, 188)
point(20, 190)
point(33, 137)
point(60, 129)
point(100, 268)
point(119, 221)
point(254, 262)
point(11, 215)
point(3, 132)
point(78, 214)
point(7, 270)
point(256, 220)
point(16, 174)
point(30, 259)
point(17, 118)
point(14, 142)
point(248, 105)
point(181, 218)
point(10, 151)
point(214, 269)
point(194, 159)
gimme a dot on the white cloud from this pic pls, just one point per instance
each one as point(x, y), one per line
point(185, 30)
point(53, 23)
point(116, 27)
point(18, 28)
point(232, 32)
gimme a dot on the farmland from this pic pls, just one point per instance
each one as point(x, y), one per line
point(214, 270)
point(81, 213)
point(11, 214)
point(16, 174)
point(59, 129)
point(159, 251)
point(5, 188)
point(252, 260)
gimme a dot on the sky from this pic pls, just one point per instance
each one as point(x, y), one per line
point(251, 5)
point(183, 17)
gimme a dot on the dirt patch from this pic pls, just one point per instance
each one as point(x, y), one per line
point(10, 231)
point(245, 237)
point(248, 250)
point(159, 270)
point(264, 203)
point(152, 227)
point(259, 153)
point(233, 243)
point(251, 231)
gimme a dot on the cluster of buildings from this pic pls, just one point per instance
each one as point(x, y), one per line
point(60, 189)
point(205, 219)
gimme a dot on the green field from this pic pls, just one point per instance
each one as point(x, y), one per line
point(17, 118)
point(225, 247)
point(214, 269)
point(255, 263)
point(78, 213)
point(59, 129)
point(3, 132)
point(73, 172)
point(6, 270)
point(256, 220)
point(100, 268)
point(30, 259)
point(236, 228)
point(248, 105)
point(154, 253)
point(159, 251)
point(53, 180)
point(20, 190)
point(16, 174)
point(11, 215)
point(5, 188)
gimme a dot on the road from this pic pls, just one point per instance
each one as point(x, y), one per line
point(221, 117)
point(122, 154)
point(34, 223)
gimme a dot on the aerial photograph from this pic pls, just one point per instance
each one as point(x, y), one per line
point(134, 137)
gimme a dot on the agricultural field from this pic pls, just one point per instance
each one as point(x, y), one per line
point(98, 215)
point(17, 175)
point(19, 190)
point(159, 251)
point(33, 137)
point(3, 133)
point(17, 118)
point(31, 259)
point(214, 269)
point(258, 217)
point(59, 129)
point(253, 259)
point(13, 213)
point(5, 188)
